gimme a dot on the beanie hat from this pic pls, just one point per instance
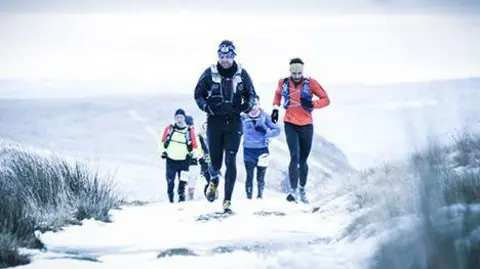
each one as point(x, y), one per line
point(180, 112)
point(226, 48)
point(189, 120)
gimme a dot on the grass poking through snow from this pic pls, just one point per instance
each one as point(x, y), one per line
point(46, 193)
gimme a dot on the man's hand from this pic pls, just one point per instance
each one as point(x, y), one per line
point(306, 102)
point(190, 159)
point(207, 108)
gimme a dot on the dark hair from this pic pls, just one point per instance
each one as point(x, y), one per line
point(296, 61)
point(180, 112)
point(226, 42)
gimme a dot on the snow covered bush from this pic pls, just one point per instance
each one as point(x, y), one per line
point(438, 191)
point(46, 193)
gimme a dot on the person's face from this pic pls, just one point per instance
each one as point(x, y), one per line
point(255, 109)
point(225, 60)
point(180, 119)
point(296, 72)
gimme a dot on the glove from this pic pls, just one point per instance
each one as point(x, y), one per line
point(275, 115)
point(164, 155)
point(190, 160)
point(209, 109)
point(227, 108)
point(260, 126)
point(306, 103)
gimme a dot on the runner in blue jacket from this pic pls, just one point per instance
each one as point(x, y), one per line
point(258, 129)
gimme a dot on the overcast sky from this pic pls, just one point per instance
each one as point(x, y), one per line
point(372, 41)
point(312, 6)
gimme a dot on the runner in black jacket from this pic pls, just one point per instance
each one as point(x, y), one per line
point(223, 91)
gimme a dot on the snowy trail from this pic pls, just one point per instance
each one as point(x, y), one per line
point(269, 233)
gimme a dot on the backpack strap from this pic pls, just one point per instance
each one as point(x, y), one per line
point(188, 137)
point(237, 78)
point(216, 77)
point(306, 92)
point(286, 92)
point(169, 135)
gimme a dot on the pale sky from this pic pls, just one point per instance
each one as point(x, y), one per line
point(264, 6)
point(155, 41)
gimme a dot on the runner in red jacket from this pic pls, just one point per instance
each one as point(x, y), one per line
point(297, 92)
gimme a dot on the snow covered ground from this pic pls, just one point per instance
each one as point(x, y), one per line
point(269, 233)
point(364, 126)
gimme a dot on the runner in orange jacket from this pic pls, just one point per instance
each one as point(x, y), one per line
point(297, 92)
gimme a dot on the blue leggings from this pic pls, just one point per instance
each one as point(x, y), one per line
point(250, 168)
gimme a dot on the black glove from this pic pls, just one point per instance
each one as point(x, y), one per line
point(275, 115)
point(211, 110)
point(218, 109)
point(227, 108)
point(189, 159)
point(164, 155)
point(194, 161)
point(306, 103)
